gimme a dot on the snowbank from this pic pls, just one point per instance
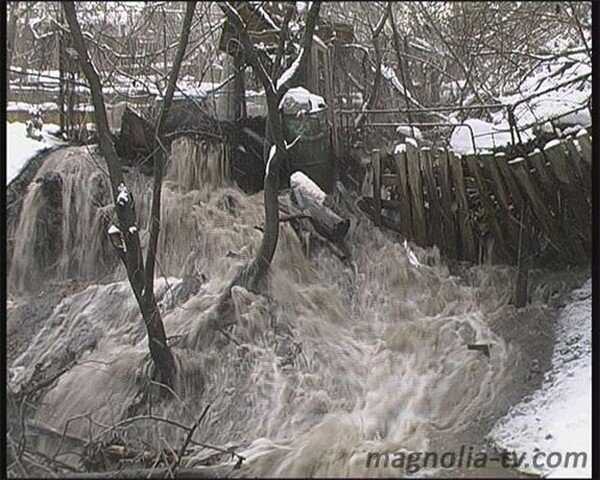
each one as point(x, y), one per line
point(566, 73)
point(20, 148)
point(558, 417)
point(557, 90)
point(487, 136)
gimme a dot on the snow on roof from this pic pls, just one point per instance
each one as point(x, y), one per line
point(20, 149)
point(299, 98)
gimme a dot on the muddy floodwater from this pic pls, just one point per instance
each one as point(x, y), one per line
point(339, 359)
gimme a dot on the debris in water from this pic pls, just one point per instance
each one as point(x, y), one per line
point(482, 347)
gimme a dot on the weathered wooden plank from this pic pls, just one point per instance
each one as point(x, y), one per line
point(448, 205)
point(524, 259)
point(434, 212)
point(586, 146)
point(488, 208)
point(501, 193)
point(584, 174)
point(540, 208)
point(511, 183)
point(577, 214)
point(376, 158)
point(415, 184)
point(468, 247)
point(389, 180)
point(404, 201)
point(546, 180)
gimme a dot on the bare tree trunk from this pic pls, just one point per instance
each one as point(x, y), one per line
point(141, 279)
point(254, 274)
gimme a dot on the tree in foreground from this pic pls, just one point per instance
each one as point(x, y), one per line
point(140, 271)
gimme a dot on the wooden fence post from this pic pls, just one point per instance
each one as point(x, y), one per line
point(404, 200)
point(524, 259)
point(377, 185)
point(450, 231)
point(468, 247)
point(415, 184)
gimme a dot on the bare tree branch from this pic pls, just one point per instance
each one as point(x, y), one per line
point(160, 154)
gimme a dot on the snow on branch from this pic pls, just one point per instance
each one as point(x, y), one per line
point(289, 73)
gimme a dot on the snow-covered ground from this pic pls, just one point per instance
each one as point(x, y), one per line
point(558, 416)
point(20, 148)
point(482, 136)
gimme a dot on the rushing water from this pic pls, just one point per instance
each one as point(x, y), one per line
point(338, 360)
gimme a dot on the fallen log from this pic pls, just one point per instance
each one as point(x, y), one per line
point(309, 197)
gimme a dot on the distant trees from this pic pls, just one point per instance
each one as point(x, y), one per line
point(458, 52)
point(140, 271)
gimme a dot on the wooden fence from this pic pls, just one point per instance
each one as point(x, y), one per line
point(487, 207)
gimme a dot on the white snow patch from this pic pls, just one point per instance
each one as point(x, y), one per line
point(400, 148)
point(300, 7)
point(20, 148)
point(556, 104)
point(412, 141)
point(552, 144)
point(407, 131)
point(558, 417)
point(113, 230)
point(389, 74)
point(487, 136)
point(412, 258)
